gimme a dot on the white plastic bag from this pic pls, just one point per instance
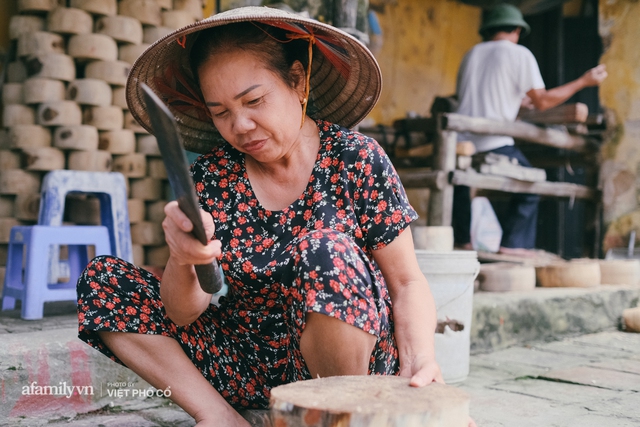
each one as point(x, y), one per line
point(486, 232)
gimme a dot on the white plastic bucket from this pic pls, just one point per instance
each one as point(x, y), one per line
point(451, 275)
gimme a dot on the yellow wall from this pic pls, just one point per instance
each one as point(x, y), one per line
point(423, 44)
point(620, 94)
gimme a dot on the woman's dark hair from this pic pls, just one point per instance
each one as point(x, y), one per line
point(490, 32)
point(267, 42)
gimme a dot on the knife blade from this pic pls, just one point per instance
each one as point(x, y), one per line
point(175, 161)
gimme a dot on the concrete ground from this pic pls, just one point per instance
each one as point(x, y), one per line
point(549, 357)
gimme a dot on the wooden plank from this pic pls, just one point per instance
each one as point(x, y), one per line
point(514, 171)
point(471, 178)
point(423, 177)
point(565, 113)
point(519, 130)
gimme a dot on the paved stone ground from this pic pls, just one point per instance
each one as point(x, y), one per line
point(591, 380)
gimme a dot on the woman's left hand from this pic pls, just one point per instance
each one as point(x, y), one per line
point(422, 371)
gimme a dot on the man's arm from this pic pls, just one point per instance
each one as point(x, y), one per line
point(543, 99)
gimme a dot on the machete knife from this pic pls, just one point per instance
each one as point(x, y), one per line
point(175, 161)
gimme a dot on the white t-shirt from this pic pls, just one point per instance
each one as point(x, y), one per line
point(493, 79)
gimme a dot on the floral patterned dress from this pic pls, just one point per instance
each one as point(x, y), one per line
point(314, 256)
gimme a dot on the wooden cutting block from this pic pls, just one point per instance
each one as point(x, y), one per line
point(113, 72)
point(27, 206)
point(36, 6)
point(7, 204)
point(29, 136)
point(156, 255)
point(137, 210)
point(146, 11)
point(577, 273)
point(94, 161)
point(631, 319)
point(148, 145)
point(69, 20)
point(12, 93)
point(42, 159)
point(17, 114)
point(6, 224)
point(78, 137)
point(155, 211)
point(165, 4)
point(51, 65)
point(152, 34)
point(156, 168)
point(121, 141)
point(123, 29)
point(119, 97)
point(193, 7)
point(131, 123)
point(147, 234)
point(138, 254)
point(24, 24)
point(132, 165)
point(16, 181)
point(147, 189)
point(92, 92)
point(506, 276)
point(39, 43)
point(103, 118)
point(82, 210)
point(96, 7)
point(9, 160)
point(38, 90)
point(130, 52)
point(368, 401)
point(175, 19)
point(619, 271)
point(59, 113)
point(92, 47)
point(16, 72)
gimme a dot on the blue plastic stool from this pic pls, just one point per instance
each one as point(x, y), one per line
point(30, 284)
point(111, 190)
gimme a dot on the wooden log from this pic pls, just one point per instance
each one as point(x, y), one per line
point(136, 209)
point(148, 145)
point(362, 401)
point(131, 123)
point(148, 189)
point(37, 90)
point(96, 7)
point(519, 130)
point(78, 137)
point(152, 34)
point(631, 319)
point(95, 161)
point(156, 255)
point(506, 276)
point(27, 206)
point(17, 114)
point(119, 97)
point(565, 113)
point(174, 19)
point(59, 113)
point(39, 43)
point(6, 224)
point(113, 72)
point(9, 160)
point(577, 273)
point(620, 271)
point(92, 92)
point(16, 181)
point(42, 159)
point(29, 136)
point(24, 24)
point(156, 168)
point(107, 118)
point(148, 12)
point(138, 254)
point(133, 165)
point(130, 52)
point(124, 29)
point(55, 66)
point(423, 177)
point(7, 204)
point(36, 6)
point(471, 178)
point(16, 72)
point(82, 210)
point(147, 233)
point(91, 47)
point(514, 171)
point(121, 141)
point(12, 93)
point(193, 7)
point(69, 20)
point(155, 211)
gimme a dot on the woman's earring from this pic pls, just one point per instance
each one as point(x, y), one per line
point(304, 101)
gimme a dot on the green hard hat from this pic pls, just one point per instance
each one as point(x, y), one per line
point(503, 15)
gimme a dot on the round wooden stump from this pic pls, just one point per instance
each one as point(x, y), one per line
point(367, 401)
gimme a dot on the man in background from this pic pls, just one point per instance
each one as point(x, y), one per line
point(497, 77)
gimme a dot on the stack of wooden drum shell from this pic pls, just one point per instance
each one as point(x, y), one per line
point(63, 107)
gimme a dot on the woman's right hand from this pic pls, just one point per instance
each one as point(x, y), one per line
point(184, 248)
